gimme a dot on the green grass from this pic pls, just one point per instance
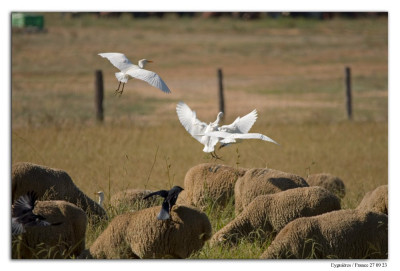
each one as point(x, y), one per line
point(290, 70)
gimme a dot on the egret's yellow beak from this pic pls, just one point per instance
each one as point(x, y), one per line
point(149, 61)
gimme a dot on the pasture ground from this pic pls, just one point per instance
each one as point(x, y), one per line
point(290, 70)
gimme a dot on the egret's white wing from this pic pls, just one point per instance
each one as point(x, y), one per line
point(188, 119)
point(254, 136)
point(231, 137)
point(150, 77)
point(118, 60)
point(241, 124)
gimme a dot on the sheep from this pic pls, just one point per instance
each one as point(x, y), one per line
point(270, 213)
point(64, 239)
point(140, 235)
point(208, 181)
point(376, 200)
point(53, 184)
point(132, 199)
point(263, 181)
point(342, 234)
point(328, 181)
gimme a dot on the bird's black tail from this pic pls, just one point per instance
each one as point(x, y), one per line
point(149, 195)
point(161, 193)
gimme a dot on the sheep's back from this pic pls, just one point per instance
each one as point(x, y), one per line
point(209, 182)
point(293, 203)
point(376, 200)
point(342, 234)
point(263, 181)
point(328, 181)
point(268, 214)
point(132, 199)
point(141, 234)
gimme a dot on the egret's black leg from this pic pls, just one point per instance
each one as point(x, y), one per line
point(221, 146)
point(215, 156)
point(122, 90)
point(117, 90)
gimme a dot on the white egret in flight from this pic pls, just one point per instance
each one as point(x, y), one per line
point(127, 70)
point(209, 135)
point(197, 128)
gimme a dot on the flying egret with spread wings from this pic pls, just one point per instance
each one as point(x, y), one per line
point(209, 135)
point(128, 70)
point(197, 128)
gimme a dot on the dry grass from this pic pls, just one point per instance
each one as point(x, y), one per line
point(123, 154)
point(291, 70)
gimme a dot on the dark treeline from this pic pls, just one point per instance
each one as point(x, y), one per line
point(244, 15)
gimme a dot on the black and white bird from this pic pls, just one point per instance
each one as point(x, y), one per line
point(170, 197)
point(23, 216)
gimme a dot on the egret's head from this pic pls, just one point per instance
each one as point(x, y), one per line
point(101, 197)
point(100, 194)
point(143, 62)
point(219, 117)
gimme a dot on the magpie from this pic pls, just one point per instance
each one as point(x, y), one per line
point(23, 216)
point(170, 197)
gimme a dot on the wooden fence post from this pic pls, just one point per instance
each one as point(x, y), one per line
point(99, 95)
point(348, 92)
point(221, 93)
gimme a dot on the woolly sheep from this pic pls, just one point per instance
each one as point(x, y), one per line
point(270, 213)
point(63, 240)
point(263, 181)
point(55, 184)
point(209, 182)
point(329, 182)
point(132, 199)
point(376, 200)
point(141, 235)
point(342, 234)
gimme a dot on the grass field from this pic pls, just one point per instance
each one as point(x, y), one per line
point(290, 70)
